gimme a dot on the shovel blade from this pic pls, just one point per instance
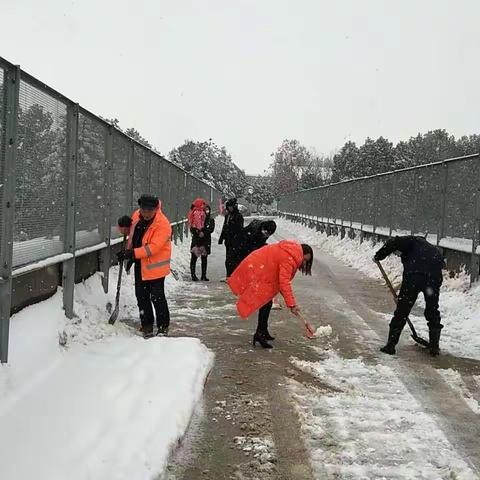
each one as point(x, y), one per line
point(421, 341)
point(309, 332)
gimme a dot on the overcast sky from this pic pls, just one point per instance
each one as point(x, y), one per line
point(250, 73)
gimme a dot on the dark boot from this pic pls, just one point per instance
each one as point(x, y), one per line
point(147, 331)
point(193, 267)
point(434, 336)
point(261, 339)
point(204, 270)
point(268, 336)
point(393, 338)
point(162, 331)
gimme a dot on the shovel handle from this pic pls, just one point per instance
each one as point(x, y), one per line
point(306, 324)
point(387, 280)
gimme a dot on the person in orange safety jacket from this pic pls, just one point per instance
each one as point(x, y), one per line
point(149, 247)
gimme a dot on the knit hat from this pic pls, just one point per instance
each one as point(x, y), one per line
point(148, 202)
point(269, 225)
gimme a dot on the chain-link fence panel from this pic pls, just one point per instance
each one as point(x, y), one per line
point(428, 200)
point(90, 182)
point(2, 147)
point(404, 206)
point(462, 184)
point(356, 204)
point(438, 199)
point(120, 197)
point(337, 203)
point(155, 175)
point(162, 186)
point(169, 183)
point(179, 186)
point(40, 192)
point(385, 203)
point(370, 202)
point(141, 174)
point(185, 201)
point(347, 202)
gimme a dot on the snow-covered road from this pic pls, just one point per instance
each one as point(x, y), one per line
point(111, 405)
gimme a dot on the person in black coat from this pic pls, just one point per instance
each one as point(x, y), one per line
point(422, 272)
point(250, 238)
point(232, 226)
point(202, 243)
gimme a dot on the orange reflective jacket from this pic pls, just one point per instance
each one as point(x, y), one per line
point(264, 273)
point(156, 249)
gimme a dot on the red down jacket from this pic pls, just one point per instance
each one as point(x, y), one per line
point(264, 273)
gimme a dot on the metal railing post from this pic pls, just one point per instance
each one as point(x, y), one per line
point(364, 200)
point(475, 260)
point(105, 253)
point(68, 267)
point(8, 153)
point(375, 203)
point(149, 170)
point(393, 206)
point(415, 200)
point(443, 204)
point(130, 172)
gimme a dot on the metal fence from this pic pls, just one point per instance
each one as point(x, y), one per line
point(66, 175)
point(440, 201)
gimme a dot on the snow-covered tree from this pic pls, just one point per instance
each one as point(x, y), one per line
point(211, 163)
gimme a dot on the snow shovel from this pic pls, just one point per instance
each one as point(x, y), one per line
point(309, 331)
point(114, 315)
point(419, 340)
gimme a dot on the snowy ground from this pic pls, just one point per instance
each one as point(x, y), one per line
point(105, 404)
point(366, 425)
point(459, 305)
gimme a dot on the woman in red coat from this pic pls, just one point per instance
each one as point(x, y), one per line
point(265, 273)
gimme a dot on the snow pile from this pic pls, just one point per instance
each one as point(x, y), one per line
point(81, 399)
point(459, 304)
point(90, 301)
point(455, 382)
point(367, 425)
point(323, 331)
point(260, 448)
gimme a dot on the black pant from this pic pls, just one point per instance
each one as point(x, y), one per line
point(193, 265)
point(412, 285)
point(230, 262)
point(263, 315)
point(148, 292)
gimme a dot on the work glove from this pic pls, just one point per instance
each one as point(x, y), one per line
point(125, 255)
point(129, 266)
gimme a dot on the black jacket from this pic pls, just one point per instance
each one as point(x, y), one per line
point(417, 254)
point(206, 240)
point(248, 239)
point(232, 226)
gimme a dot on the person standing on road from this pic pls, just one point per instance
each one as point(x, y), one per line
point(265, 273)
point(232, 226)
point(250, 238)
point(201, 227)
point(422, 272)
point(149, 246)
